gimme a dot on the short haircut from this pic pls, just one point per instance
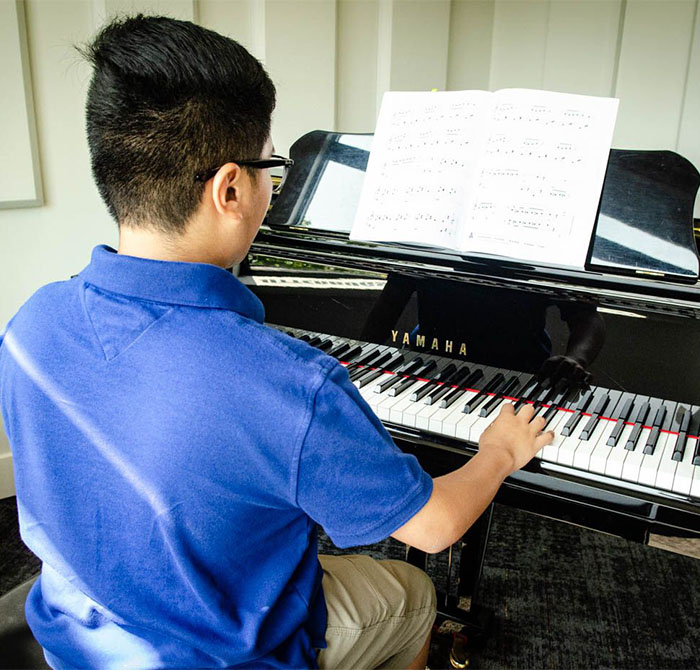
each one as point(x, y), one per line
point(169, 99)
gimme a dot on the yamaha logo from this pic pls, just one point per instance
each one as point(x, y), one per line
point(434, 344)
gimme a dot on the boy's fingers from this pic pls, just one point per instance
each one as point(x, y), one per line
point(538, 423)
point(544, 439)
point(507, 408)
point(526, 411)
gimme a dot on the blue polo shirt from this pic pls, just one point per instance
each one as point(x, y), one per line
point(172, 458)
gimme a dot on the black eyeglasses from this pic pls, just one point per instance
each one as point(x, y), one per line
point(258, 163)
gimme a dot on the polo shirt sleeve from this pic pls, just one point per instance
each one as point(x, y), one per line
point(352, 479)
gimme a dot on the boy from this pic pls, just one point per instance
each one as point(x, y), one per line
point(172, 454)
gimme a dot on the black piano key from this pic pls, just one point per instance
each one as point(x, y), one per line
point(315, 341)
point(652, 440)
point(422, 391)
point(446, 373)
point(454, 380)
point(530, 390)
point(490, 387)
point(359, 369)
point(399, 388)
point(659, 417)
point(548, 414)
point(638, 425)
point(428, 386)
point(369, 357)
point(621, 419)
point(571, 424)
point(679, 447)
point(305, 337)
point(471, 381)
point(407, 369)
point(356, 372)
point(325, 345)
point(403, 385)
point(391, 363)
point(374, 374)
point(505, 390)
point(595, 417)
point(351, 355)
point(423, 372)
point(696, 454)
point(694, 427)
point(383, 359)
point(339, 350)
point(583, 403)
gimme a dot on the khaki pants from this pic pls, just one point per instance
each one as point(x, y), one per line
point(379, 612)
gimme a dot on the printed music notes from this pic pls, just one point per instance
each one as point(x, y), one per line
point(515, 173)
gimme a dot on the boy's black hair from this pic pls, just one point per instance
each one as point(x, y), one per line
point(169, 99)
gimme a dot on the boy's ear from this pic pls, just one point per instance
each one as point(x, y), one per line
point(225, 188)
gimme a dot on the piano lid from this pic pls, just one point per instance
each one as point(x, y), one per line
point(642, 255)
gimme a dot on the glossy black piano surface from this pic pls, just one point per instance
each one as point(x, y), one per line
point(506, 319)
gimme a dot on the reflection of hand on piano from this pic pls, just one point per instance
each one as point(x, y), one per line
point(556, 368)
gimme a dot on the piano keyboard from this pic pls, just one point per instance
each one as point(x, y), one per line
point(602, 435)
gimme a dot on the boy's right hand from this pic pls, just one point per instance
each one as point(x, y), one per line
point(515, 437)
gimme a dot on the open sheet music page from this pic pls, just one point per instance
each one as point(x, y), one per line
point(515, 173)
point(540, 177)
point(424, 149)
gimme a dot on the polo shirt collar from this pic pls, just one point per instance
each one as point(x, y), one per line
point(173, 282)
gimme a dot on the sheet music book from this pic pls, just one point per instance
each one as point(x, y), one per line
point(515, 173)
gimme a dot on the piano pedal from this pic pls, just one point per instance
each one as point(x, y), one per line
point(459, 632)
point(459, 654)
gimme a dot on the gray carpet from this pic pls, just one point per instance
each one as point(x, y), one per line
point(561, 596)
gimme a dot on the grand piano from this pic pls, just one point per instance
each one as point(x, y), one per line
point(626, 457)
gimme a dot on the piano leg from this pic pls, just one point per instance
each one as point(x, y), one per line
point(462, 624)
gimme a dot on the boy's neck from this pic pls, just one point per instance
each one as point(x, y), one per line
point(188, 247)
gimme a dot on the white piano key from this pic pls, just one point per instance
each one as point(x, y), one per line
point(481, 423)
point(667, 467)
point(586, 448)
point(618, 454)
point(549, 452)
point(455, 414)
point(368, 392)
point(650, 465)
point(396, 413)
point(601, 451)
point(695, 486)
point(683, 478)
point(463, 429)
point(423, 421)
point(633, 461)
point(384, 407)
point(413, 411)
point(569, 446)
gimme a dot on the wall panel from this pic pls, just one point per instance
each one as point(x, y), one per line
point(689, 131)
point(300, 55)
point(419, 45)
point(233, 18)
point(20, 177)
point(652, 72)
point(471, 37)
point(356, 66)
point(519, 44)
point(581, 46)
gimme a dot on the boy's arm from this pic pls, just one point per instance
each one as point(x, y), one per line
point(460, 497)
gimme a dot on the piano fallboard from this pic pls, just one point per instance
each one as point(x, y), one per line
point(629, 505)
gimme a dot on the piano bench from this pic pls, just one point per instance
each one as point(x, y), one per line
point(19, 648)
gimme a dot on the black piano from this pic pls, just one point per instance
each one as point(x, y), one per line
point(626, 458)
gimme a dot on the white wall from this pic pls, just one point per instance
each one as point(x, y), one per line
point(331, 61)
